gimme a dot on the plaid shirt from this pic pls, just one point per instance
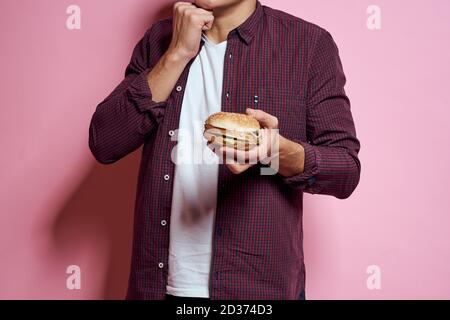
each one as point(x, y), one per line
point(275, 62)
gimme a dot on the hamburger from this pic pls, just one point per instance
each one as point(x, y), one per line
point(235, 130)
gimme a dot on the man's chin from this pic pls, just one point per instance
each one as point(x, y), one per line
point(205, 4)
point(211, 4)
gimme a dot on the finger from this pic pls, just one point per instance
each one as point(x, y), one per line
point(208, 24)
point(208, 134)
point(228, 155)
point(238, 168)
point(178, 11)
point(211, 146)
point(264, 147)
point(196, 11)
point(182, 3)
point(241, 156)
point(236, 156)
point(178, 7)
point(214, 148)
point(201, 10)
point(201, 19)
point(266, 120)
point(252, 155)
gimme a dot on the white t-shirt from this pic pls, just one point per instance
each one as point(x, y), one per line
point(196, 174)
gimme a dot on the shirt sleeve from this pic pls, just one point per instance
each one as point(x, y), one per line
point(331, 165)
point(122, 122)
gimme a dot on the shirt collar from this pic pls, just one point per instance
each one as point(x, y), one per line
point(248, 29)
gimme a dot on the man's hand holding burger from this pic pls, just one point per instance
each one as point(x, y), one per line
point(290, 155)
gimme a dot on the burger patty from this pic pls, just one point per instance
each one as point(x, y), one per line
point(234, 139)
point(233, 135)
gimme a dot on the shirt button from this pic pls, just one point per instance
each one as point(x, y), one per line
point(163, 222)
point(171, 133)
point(160, 265)
point(166, 177)
point(179, 88)
point(231, 55)
point(227, 95)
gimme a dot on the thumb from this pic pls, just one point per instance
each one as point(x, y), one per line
point(265, 119)
point(208, 23)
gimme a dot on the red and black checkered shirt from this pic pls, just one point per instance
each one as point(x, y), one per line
point(275, 62)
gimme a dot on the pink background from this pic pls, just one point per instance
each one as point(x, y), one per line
point(58, 207)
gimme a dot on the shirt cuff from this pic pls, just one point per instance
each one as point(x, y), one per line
point(140, 94)
point(306, 179)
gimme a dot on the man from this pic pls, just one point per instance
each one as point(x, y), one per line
point(207, 230)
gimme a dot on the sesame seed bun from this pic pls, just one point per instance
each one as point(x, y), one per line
point(236, 130)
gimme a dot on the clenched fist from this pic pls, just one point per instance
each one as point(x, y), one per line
point(188, 23)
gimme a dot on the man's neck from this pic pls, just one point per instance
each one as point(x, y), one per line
point(228, 18)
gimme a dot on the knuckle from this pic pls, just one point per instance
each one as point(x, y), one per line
point(192, 16)
point(177, 7)
point(234, 170)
